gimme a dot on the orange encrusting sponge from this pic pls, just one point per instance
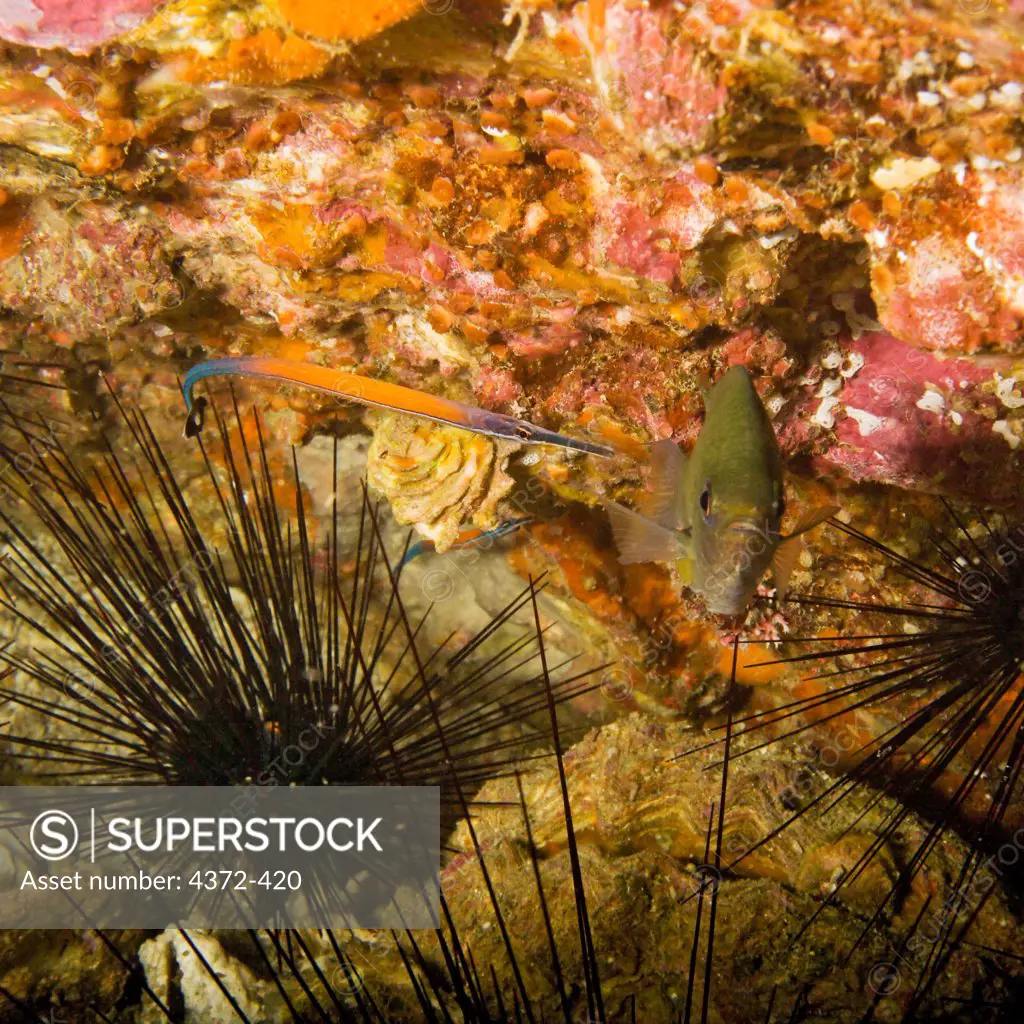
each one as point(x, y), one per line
point(345, 20)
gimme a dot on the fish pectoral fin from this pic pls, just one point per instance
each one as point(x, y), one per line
point(809, 520)
point(786, 554)
point(668, 464)
point(783, 563)
point(640, 539)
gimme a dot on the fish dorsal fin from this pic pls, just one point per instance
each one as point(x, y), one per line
point(668, 464)
point(786, 554)
point(812, 518)
point(640, 539)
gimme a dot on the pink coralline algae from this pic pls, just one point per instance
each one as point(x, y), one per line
point(954, 280)
point(648, 244)
point(71, 24)
point(549, 342)
point(657, 84)
point(904, 416)
point(634, 238)
point(89, 268)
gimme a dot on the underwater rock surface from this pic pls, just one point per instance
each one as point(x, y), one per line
point(641, 824)
point(579, 214)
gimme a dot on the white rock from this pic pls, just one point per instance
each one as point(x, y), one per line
point(931, 401)
point(1007, 393)
point(824, 415)
point(1003, 428)
point(171, 965)
point(867, 422)
point(902, 172)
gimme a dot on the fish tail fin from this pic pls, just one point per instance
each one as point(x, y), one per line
point(194, 420)
point(210, 368)
point(640, 539)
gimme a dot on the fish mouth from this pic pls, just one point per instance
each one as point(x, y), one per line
point(752, 528)
point(736, 563)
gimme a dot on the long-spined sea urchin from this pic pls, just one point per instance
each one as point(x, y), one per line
point(448, 977)
point(188, 665)
point(943, 663)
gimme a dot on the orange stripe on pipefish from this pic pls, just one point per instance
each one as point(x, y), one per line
point(378, 393)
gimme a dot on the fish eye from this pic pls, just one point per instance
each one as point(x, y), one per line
point(705, 500)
